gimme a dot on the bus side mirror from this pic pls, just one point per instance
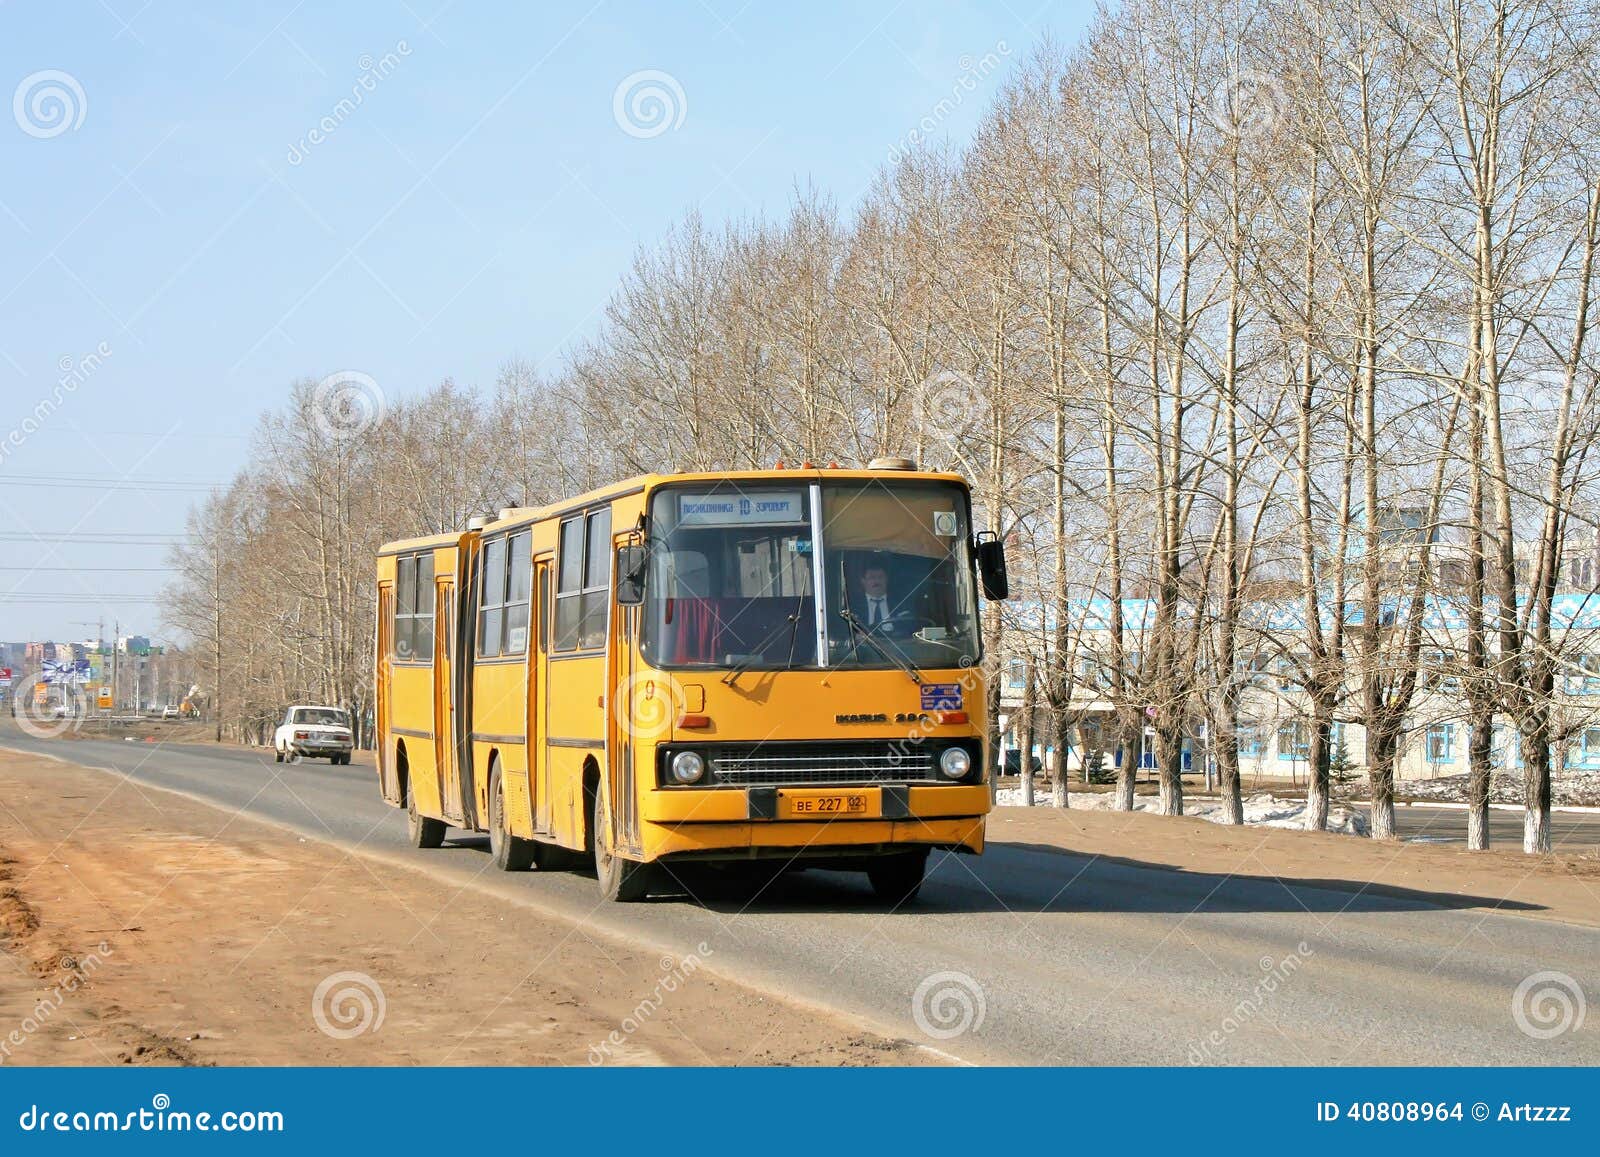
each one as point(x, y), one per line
point(630, 575)
point(992, 567)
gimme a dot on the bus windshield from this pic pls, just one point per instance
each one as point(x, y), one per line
point(735, 570)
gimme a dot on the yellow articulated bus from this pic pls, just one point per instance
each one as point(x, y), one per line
point(768, 666)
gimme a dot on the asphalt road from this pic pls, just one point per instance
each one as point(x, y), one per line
point(1044, 957)
point(1569, 831)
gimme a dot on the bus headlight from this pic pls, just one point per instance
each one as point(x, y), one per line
point(688, 767)
point(955, 763)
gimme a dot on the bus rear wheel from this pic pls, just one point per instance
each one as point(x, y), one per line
point(621, 880)
point(897, 878)
point(509, 853)
point(422, 831)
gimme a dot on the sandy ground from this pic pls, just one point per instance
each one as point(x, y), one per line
point(138, 927)
point(1561, 886)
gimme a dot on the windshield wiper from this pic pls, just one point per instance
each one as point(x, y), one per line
point(858, 632)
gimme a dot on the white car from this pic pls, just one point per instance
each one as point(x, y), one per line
point(313, 733)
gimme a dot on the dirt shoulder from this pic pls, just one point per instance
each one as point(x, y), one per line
point(1560, 886)
point(139, 927)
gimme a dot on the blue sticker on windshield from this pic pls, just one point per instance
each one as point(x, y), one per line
point(941, 696)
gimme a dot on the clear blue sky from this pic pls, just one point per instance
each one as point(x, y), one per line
point(171, 211)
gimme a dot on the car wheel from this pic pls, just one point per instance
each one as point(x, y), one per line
point(277, 755)
point(422, 831)
point(897, 878)
point(623, 881)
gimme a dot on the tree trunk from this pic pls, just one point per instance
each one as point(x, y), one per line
point(1536, 794)
point(1063, 742)
point(1381, 759)
point(1478, 771)
point(1318, 781)
point(1128, 738)
point(1227, 749)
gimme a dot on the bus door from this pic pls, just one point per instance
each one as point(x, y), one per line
point(622, 671)
point(444, 725)
point(538, 668)
point(388, 782)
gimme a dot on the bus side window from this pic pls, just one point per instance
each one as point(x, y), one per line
point(569, 585)
point(517, 592)
point(541, 625)
point(596, 581)
point(405, 586)
point(422, 611)
point(492, 603)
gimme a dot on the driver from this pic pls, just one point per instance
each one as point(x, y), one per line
point(875, 613)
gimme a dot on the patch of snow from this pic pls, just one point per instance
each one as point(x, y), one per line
point(1569, 787)
point(1261, 809)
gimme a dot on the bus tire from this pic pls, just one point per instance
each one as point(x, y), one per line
point(896, 878)
point(422, 831)
point(622, 881)
point(510, 854)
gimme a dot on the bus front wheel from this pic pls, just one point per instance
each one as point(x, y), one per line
point(420, 830)
point(897, 878)
point(620, 880)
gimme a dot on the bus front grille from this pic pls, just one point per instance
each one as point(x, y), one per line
point(778, 765)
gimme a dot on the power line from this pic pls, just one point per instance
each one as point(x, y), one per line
point(81, 569)
point(90, 599)
point(103, 538)
point(109, 482)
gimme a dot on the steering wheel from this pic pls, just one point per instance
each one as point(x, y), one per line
point(903, 623)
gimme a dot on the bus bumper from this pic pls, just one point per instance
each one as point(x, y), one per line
point(744, 821)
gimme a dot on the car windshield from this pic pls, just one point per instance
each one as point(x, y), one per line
point(323, 716)
point(734, 572)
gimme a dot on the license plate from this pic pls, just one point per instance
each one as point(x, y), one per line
point(825, 805)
